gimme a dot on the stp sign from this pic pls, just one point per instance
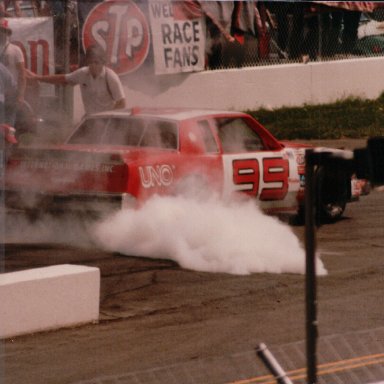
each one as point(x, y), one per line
point(121, 28)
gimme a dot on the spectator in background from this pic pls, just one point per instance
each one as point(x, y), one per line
point(247, 25)
point(12, 57)
point(282, 11)
point(8, 92)
point(4, 4)
point(340, 31)
point(331, 28)
point(305, 30)
point(349, 34)
point(218, 18)
point(43, 7)
point(100, 86)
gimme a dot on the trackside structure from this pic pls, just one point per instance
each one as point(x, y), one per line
point(255, 87)
point(52, 297)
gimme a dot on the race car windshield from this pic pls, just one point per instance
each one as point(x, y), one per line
point(131, 132)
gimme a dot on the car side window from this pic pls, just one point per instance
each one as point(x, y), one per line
point(127, 132)
point(122, 132)
point(168, 135)
point(90, 131)
point(207, 136)
point(160, 134)
point(237, 136)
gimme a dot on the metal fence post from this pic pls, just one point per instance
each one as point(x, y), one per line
point(310, 272)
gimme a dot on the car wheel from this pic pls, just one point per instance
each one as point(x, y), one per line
point(299, 218)
point(332, 194)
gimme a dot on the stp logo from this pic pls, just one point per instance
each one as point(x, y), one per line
point(121, 28)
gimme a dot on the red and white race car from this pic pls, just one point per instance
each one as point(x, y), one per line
point(119, 159)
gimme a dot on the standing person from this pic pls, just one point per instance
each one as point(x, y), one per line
point(100, 86)
point(8, 90)
point(4, 4)
point(349, 34)
point(12, 57)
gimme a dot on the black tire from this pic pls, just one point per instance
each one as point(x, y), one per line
point(332, 193)
point(299, 218)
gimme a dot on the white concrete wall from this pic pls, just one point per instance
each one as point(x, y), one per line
point(251, 88)
point(47, 298)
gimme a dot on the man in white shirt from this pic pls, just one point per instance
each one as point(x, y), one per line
point(100, 86)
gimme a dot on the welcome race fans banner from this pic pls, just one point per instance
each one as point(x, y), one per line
point(178, 42)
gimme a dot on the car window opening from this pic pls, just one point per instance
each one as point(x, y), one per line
point(126, 132)
point(236, 136)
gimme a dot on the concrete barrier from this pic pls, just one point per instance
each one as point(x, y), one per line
point(272, 86)
point(249, 88)
point(47, 298)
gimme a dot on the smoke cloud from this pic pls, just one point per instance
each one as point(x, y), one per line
point(209, 235)
point(64, 230)
point(201, 234)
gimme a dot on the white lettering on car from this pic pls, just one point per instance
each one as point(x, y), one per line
point(58, 165)
point(159, 175)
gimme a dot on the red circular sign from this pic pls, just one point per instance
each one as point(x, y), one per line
point(121, 28)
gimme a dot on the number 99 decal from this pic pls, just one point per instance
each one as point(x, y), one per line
point(274, 182)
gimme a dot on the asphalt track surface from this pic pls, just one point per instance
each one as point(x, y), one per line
point(153, 313)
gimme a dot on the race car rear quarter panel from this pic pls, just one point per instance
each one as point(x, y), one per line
point(271, 177)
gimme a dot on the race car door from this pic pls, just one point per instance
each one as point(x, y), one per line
point(252, 167)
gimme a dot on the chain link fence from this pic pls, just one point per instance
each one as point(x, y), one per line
point(351, 358)
point(294, 32)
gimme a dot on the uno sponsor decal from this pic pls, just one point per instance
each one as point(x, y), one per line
point(121, 28)
point(156, 176)
point(270, 184)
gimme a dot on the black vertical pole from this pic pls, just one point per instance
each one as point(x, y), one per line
point(310, 272)
point(67, 37)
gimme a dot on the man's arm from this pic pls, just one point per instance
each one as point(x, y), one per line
point(119, 104)
point(51, 79)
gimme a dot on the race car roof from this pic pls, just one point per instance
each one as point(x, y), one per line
point(178, 114)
